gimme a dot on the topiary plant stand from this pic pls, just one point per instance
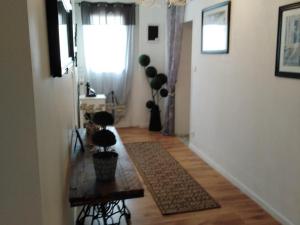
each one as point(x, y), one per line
point(155, 121)
point(157, 81)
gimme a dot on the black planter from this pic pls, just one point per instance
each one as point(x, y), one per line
point(105, 164)
point(155, 122)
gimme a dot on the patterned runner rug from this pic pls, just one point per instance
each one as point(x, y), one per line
point(172, 188)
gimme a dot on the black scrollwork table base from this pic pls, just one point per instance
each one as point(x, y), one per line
point(110, 213)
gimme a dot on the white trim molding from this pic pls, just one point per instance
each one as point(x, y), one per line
point(246, 190)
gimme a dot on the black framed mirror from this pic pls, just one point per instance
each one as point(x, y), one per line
point(60, 36)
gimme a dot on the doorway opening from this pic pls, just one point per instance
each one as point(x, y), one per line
point(183, 86)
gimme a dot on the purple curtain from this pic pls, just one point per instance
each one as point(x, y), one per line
point(175, 19)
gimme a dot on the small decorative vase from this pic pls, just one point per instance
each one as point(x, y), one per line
point(155, 122)
point(105, 164)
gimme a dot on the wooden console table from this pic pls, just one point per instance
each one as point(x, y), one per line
point(102, 201)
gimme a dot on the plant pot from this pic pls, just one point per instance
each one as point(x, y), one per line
point(155, 122)
point(105, 164)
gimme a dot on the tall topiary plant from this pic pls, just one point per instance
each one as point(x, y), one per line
point(105, 158)
point(157, 82)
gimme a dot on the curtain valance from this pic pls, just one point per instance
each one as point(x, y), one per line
point(101, 13)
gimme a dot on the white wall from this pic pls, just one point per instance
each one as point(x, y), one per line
point(183, 84)
point(246, 121)
point(20, 186)
point(54, 109)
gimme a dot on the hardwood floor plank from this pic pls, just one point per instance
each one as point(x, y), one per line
point(237, 208)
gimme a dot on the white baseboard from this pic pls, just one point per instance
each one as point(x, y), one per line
point(126, 125)
point(266, 206)
point(144, 125)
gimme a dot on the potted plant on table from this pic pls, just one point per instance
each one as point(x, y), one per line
point(156, 83)
point(105, 159)
point(103, 119)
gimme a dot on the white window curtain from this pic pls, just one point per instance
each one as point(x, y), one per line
point(107, 48)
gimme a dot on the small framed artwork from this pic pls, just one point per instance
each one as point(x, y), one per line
point(216, 29)
point(288, 42)
point(153, 33)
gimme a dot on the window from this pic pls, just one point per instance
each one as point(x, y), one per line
point(105, 48)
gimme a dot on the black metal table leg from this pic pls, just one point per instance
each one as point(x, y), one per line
point(105, 212)
point(125, 211)
point(82, 215)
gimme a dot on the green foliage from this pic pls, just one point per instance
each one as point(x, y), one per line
point(103, 119)
point(104, 138)
point(155, 83)
point(144, 60)
point(163, 78)
point(164, 92)
point(150, 104)
point(151, 72)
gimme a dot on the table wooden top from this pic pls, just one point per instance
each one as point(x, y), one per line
point(85, 189)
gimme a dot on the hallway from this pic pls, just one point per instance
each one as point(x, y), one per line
point(237, 208)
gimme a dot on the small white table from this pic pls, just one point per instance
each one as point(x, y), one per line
point(91, 104)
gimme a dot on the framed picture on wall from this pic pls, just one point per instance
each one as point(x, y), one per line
point(216, 29)
point(288, 42)
point(153, 33)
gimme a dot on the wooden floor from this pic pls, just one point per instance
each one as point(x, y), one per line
point(237, 209)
